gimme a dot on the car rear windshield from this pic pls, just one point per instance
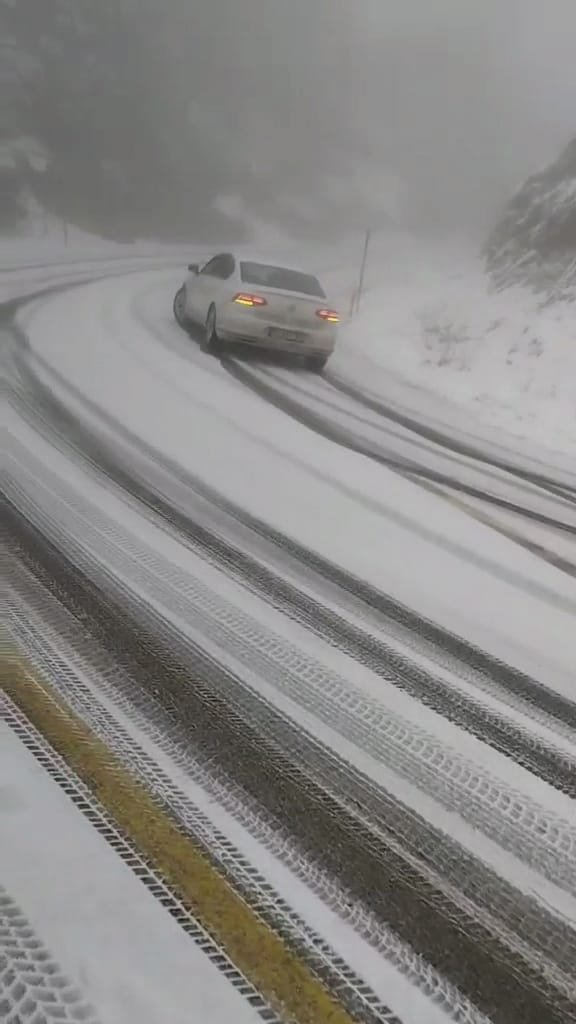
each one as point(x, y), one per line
point(279, 277)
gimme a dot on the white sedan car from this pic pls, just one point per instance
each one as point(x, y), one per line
point(267, 307)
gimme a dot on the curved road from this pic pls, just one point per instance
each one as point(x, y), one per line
point(352, 634)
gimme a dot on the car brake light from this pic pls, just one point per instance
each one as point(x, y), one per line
point(244, 299)
point(329, 315)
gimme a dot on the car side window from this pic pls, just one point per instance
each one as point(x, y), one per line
point(221, 266)
point(211, 268)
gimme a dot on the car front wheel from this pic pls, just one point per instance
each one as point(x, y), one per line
point(180, 309)
point(212, 342)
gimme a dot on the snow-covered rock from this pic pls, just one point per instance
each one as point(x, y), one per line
point(534, 242)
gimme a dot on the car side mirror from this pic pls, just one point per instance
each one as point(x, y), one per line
point(193, 268)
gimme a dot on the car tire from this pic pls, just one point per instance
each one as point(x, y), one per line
point(316, 363)
point(180, 309)
point(212, 342)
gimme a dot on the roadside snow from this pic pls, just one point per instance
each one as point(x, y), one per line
point(431, 335)
point(131, 959)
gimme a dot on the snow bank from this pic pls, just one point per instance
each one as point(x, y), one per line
point(507, 361)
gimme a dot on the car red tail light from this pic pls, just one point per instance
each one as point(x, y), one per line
point(245, 299)
point(329, 315)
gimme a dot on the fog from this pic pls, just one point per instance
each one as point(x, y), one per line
point(334, 113)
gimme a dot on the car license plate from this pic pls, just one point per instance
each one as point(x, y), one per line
point(280, 335)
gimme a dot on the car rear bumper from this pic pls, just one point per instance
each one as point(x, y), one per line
point(276, 345)
point(319, 341)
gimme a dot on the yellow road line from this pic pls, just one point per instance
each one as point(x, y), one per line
point(262, 956)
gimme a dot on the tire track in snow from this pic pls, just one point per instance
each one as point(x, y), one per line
point(79, 668)
point(369, 863)
point(491, 674)
point(472, 715)
point(337, 432)
point(33, 987)
point(523, 827)
point(44, 649)
point(446, 440)
point(273, 980)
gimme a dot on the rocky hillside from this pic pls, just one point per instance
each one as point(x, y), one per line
point(534, 243)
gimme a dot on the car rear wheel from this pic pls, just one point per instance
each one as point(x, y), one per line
point(316, 363)
point(180, 309)
point(212, 342)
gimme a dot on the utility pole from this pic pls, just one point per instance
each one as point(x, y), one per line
point(363, 269)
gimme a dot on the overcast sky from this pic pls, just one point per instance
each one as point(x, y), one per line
point(435, 109)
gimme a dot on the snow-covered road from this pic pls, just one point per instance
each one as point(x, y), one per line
point(115, 343)
point(393, 613)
